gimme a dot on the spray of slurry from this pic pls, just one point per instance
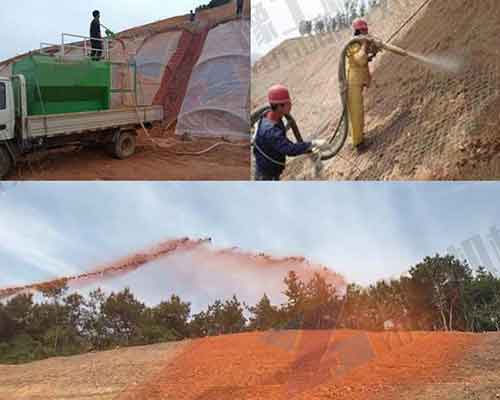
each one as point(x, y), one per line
point(198, 250)
point(441, 63)
point(119, 267)
point(246, 260)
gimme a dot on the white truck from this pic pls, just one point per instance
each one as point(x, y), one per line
point(21, 134)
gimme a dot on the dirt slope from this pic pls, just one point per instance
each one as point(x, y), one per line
point(101, 376)
point(288, 365)
point(423, 123)
point(476, 377)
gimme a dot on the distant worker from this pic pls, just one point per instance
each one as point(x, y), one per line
point(358, 78)
point(192, 16)
point(95, 36)
point(271, 145)
point(239, 7)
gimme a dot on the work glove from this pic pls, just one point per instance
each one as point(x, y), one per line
point(318, 145)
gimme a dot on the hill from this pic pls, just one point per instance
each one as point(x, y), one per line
point(273, 365)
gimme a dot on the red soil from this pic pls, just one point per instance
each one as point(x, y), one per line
point(306, 365)
point(150, 162)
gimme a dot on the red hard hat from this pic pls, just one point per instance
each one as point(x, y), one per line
point(359, 24)
point(278, 94)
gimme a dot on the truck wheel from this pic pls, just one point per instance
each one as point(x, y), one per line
point(6, 162)
point(125, 144)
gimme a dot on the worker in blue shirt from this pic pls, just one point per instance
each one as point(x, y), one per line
point(271, 145)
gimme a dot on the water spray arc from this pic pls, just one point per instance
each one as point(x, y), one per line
point(199, 250)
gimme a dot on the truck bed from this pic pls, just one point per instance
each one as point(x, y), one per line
point(73, 123)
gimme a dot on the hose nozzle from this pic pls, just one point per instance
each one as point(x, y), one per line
point(394, 49)
point(380, 45)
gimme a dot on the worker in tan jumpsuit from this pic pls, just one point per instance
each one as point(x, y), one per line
point(358, 78)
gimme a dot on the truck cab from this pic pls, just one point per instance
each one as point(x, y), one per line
point(7, 114)
point(7, 125)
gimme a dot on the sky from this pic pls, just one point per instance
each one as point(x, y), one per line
point(282, 17)
point(365, 231)
point(27, 23)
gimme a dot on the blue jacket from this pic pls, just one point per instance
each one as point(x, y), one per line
point(271, 139)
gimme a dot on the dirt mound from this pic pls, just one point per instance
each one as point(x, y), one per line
point(422, 122)
point(305, 365)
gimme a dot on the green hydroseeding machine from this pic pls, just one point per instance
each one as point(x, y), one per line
point(51, 102)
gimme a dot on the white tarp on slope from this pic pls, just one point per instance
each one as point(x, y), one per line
point(152, 59)
point(217, 98)
point(151, 55)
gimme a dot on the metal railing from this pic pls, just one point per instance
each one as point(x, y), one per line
point(87, 50)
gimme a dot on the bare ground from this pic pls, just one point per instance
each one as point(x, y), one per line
point(93, 376)
point(150, 162)
point(291, 365)
point(476, 377)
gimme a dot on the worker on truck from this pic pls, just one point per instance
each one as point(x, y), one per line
point(271, 145)
point(95, 36)
point(358, 78)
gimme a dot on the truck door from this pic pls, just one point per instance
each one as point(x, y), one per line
point(6, 111)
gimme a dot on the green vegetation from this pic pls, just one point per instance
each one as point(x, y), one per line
point(439, 293)
point(341, 18)
point(213, 4)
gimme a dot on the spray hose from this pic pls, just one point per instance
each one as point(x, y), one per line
point(181, 153)
point(339, 136)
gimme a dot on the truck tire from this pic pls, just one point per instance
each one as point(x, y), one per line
point(6, 162)
point(124, 145)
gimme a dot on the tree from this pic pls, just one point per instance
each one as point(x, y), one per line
point(122, 316)
point(7, 325)
point(94, 324)
point(303, 28)
point(441, 282)
point(265, 316)
point(173, 316)
point(362, 9)
point(56, 312)
point(352, 8)
point(295, 292)
point(213, 4)
point(320, 305)
point(309, 27)
point(19, 310)
point(484, 301)
point(319, 26)
point(199, 325)
point(233, 320)
point(219, 319)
